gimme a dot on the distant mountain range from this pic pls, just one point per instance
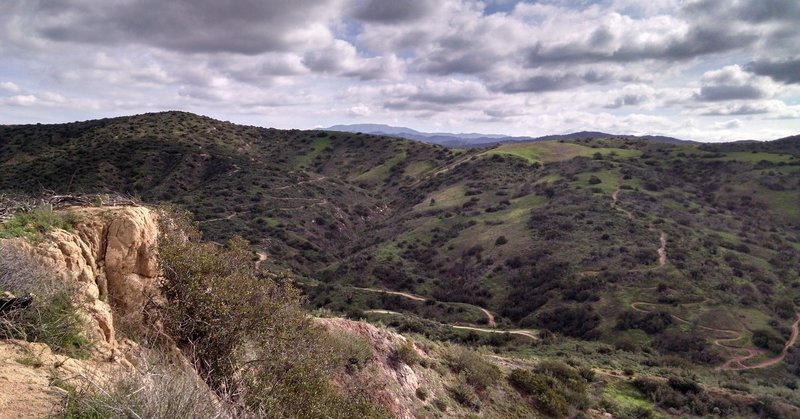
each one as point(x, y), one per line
point(481, 140)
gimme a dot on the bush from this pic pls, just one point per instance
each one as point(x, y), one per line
point(405, 353)
point(768, 339)
point(543, 389)
point(52, 318)
point(465, 396)
point(248, 334)
point(158, 390)
point(478, 373)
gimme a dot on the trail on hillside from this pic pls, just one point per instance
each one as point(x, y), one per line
point(489, 316)
point(402, 294)
point(227, 217)
point(735, 363)
point(520, 332)
point(261, 258)
point(302, 182)
point(616, 192)
point(662, 249)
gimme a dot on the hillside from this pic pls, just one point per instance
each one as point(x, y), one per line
point(619, 253)
point(487, 140)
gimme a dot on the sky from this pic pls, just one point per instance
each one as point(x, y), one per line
point(708, 70)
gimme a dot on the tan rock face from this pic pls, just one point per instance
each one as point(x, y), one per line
point(111, 258)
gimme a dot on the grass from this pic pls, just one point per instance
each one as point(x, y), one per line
point(39, 220)
point(381, 171)
point(317, 147)
point(417, 168)
point(553, 151)
point(626, 396)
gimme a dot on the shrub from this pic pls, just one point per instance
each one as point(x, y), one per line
point(157, 390)
point(356, 351)
point(465, 396)
point(478, 373)
point(405, 353)
point(248, 334)
point(543, 389)
point(768, 339)
point(422, 393)
point(52, 318)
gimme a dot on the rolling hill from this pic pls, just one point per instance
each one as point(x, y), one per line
point(629, 253)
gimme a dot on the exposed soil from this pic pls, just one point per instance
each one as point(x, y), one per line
point(261, 258)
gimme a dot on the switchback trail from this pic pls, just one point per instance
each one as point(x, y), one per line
point(735, 363)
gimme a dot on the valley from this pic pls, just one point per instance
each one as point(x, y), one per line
point(620, 254)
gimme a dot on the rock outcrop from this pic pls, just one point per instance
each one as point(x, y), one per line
point(111, 258)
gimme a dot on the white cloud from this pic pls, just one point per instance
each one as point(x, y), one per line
point(10, 87)
point(532, 68)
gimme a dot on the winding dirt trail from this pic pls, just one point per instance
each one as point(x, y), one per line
point(489, 316)
point(402, 294)
point(736, 362)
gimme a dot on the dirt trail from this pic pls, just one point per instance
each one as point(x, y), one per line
point(520, 332)
point(280, 188)
point(227, 217)
point(789, 343)
point(402, 294)
point(261, 257)
point(489, 316)
point(735, 363)
point(616, 192)
point(662, 249)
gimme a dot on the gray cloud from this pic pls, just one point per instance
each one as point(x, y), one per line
point(394, 11)
point(696, 42)
point(627, 100)
point(786, 71)
point(553, 82)
point(742, 109)
point(196, 26)
point(472, 62)
point(756, 11)
point(723, 92)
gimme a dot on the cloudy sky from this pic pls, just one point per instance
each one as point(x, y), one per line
point(696, 69)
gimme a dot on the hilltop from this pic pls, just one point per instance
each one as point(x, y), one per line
point(487, 140)
point(655, 259)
